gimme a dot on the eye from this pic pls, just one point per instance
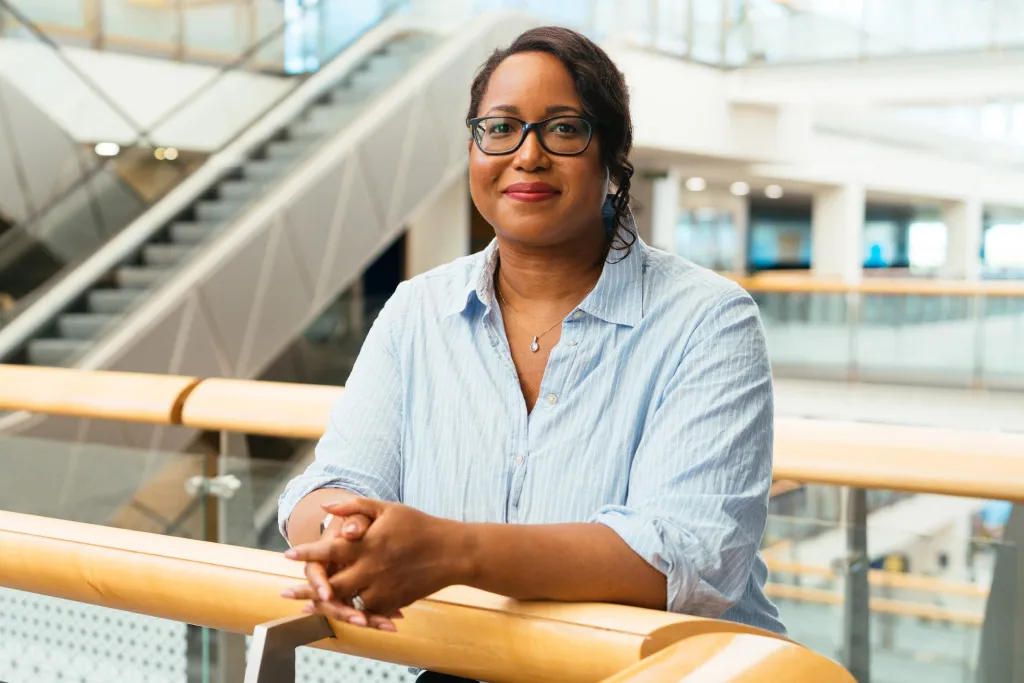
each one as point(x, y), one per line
point(499, 128)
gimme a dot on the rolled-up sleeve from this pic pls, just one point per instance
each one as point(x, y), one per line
point(360, 450)
point(699, 481)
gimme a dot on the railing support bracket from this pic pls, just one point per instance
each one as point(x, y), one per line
point(272, 651)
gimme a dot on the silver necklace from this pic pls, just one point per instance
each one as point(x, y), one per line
point(534, 345)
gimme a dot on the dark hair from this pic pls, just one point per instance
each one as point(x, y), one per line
point(602, 90)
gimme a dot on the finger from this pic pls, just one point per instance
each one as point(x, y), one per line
point(381, 623)
point(339, 611)
point(326, 550)
point(303, 591)
point(356, 506)
point(354, 527)
point(316, 574)
point(349, 581)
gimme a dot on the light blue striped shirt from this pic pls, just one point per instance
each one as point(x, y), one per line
point(655, 418)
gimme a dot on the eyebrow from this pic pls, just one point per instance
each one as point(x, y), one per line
point(554, 109)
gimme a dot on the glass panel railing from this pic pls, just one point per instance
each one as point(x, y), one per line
point(113, 192)
point(928, 571)
point(958, 340)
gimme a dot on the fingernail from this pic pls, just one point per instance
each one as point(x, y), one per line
point(388, 627)
point(291, 554)
point(325, 594)
point(350, 528)
point(288, 593)
point(357, 620)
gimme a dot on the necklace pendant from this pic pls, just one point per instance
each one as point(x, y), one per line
point(535, 347)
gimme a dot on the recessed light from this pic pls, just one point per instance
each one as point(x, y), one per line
point(107, 149)
point(171, 154)
point(740, 188)
point(696, 184)
point(160, 153)
point(773, 192)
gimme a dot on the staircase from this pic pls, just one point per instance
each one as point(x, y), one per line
point(74, 332)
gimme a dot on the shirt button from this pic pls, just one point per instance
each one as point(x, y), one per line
point(577, 315)
point(552, 399)
point(571, 342)
point(519, 460)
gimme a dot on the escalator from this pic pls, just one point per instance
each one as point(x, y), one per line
point(220, 276)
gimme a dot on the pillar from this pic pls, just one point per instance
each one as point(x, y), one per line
point(665, 211)
point(439, 232)
point(963, 239)
point(641, 192)
point(741, 223)
point(837, 233)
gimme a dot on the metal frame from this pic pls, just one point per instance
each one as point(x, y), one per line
point(272, 652)
point(857, 609)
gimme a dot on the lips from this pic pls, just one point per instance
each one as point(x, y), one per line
point(530, 192)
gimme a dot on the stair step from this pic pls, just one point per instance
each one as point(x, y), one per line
point(186, 233)
point(165, 255)
point(238, 189)
point(265, 170)
point(288, 149)
point(56, 352)
point(83, 326)
point(136, 277)
point(112, 301)
point(218, 209)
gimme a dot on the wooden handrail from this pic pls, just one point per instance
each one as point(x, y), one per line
point(881, 605)
point(791, 283)
point(875, 456)
point(457, 630)
point(126, 396)
point(883, 579)
point(732, 658)
point(914, 459)
point(267, 408)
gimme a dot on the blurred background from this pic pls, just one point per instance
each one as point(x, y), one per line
point(232, 188)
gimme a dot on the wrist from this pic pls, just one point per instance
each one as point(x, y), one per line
point(463, 551)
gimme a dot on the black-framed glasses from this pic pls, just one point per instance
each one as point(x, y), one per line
point(560, 135)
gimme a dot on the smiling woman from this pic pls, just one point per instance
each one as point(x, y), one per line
point(569, 414)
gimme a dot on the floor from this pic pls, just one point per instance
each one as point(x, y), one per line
point(901, 404)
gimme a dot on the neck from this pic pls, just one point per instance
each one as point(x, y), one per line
point(549, 281)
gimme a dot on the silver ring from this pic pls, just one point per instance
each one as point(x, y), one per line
point(358, 603)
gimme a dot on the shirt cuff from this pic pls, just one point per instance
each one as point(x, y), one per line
point(663, 546)
point(303, 486)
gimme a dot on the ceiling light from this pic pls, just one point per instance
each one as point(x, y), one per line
point(107, 149)
point(159, 153)
point(740, 188)
point(171, 154)
point(696, 184)
point(773, 192)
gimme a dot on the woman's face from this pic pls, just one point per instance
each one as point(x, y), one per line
point(565, 193)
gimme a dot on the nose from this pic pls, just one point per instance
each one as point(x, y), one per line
point(531, 155)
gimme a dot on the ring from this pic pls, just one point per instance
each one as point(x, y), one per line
point(358, 603)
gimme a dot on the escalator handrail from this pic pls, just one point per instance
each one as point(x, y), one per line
point(69, 285)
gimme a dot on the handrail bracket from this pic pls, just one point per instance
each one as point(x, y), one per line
point(272, 651)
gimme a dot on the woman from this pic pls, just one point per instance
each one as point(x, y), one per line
point(568, 415)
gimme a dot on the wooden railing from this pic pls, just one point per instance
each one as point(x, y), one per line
point(458, 630)
point(913, 459)
point(801, 283)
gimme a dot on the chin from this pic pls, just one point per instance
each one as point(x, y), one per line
point(532, 228)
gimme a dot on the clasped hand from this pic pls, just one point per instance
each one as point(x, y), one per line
point(389, 554)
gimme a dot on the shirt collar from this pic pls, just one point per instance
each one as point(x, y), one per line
point(616, 298)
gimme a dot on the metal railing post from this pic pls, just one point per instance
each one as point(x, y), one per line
point(856, 607)
point(272, 652)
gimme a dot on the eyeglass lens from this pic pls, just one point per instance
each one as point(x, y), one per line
point(562, 135)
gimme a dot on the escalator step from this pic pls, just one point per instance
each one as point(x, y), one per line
point(265, 170)
point(56, 352)
point(215, 210)
point(111, 301)
point(193, 233)
point(165, 255)
point(83, 326)
point(288, 149)
point(237, 189)
point(134, 277)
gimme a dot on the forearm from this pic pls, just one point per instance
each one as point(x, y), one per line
point(304, 521)
point(566, 562)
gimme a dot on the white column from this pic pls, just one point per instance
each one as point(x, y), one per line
point(741, 222)
point(665, 211)
point(837, 237)
point(963, 239)
point(439, 232)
